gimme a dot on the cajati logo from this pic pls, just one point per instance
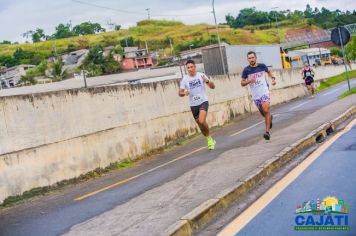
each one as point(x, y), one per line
point(327, 214)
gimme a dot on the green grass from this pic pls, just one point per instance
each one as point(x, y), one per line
point(335, 80)
point(156, 32)
point(348, 93)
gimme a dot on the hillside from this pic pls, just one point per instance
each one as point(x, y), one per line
point(158, 35)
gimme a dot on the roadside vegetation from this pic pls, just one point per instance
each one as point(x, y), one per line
point(348, 93)
point(335, 80)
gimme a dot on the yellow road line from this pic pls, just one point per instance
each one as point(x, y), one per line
point(136, 176)
point(245, 217)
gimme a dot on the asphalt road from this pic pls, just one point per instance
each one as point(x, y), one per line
point(57, 212)
point(331, 174)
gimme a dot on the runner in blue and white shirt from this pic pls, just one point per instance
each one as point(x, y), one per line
point(255, 76)
point(193, 85)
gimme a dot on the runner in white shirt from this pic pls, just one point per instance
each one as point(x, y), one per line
point(193, 85)
point(255, 76)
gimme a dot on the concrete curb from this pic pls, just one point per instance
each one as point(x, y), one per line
point(212, 207)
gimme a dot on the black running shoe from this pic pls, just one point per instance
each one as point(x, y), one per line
point(271, 122)
point(267, 136)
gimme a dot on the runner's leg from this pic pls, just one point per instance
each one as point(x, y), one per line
point(310, 89)
point(204, 127)
point(261, 111)
point(201, 121)
point(266, 111)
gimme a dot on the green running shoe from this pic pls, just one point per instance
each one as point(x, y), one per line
point(211, 143)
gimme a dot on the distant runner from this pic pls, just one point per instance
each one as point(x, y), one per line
point(308, 74)
point(255, 76)
point(193, 85)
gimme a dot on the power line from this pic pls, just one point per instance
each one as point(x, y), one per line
point(109, 8)
point(130, 12)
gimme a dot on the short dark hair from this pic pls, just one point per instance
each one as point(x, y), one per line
point(190, 62)
point(251, 52)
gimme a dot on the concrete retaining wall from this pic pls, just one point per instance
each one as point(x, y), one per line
point(49, 137)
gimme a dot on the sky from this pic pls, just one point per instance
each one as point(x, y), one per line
point(19, 16)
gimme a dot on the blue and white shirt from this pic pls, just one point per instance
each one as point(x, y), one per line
point(260, 87)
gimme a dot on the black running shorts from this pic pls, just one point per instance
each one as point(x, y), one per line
point(196, 109)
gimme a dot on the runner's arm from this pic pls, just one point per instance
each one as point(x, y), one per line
point(210, 84)
point(245, 82)
point(183, 92)
point(208, 81)
point(270, 74)
point(244, 79)
point(312, 71)
point(182, 89)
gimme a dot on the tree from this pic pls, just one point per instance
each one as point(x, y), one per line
point(57, 72)
point(36, 35)
point(308, 13)
point(88, 28)
point(230, 20)
point(117, 27)
point(5, 42)
point(97, 64)
point(95, 55)
point(63, 31)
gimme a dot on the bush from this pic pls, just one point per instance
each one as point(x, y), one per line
point(163, 62)
point(96, 64)
point(336, 52)
point(109, 40)
point(110, 66)
point(159, 23)
point(72, 47)
point(118, 50)
point(83, 42)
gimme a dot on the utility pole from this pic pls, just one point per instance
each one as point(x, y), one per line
point(148, 13)
point(275, 16)
point(170, 42)
point(344, 56)
point(219, 43)
point(84, 78)
point(146, 46)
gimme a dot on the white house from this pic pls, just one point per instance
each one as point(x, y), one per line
point(9, 77)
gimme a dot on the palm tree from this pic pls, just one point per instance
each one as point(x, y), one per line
point(57, 72)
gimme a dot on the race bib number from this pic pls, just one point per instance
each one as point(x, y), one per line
point(257, 83)
point(197, 98)
point(308, 74)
